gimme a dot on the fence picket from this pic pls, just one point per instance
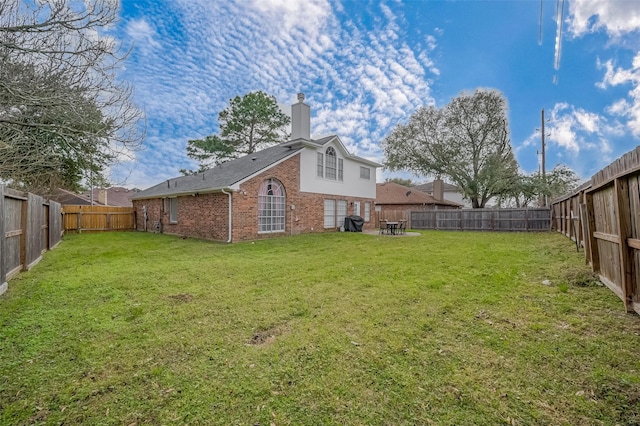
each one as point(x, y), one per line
point(518, 220)
point(28, 227)
point(607, 211)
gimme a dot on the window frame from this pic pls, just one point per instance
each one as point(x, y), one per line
point(342, 208)
point(365, 173)
point(320, 165)
point(367, 211)
point(272, 207)
point(356, 208)
point(173, 210)
point(329, 213)
point(331, 164)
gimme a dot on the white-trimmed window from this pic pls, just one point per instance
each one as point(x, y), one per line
point(356, 208)
point(271, 206)
point(329, 213)
point(365, 172)
point(173, 210)
point(340, 169)
point(331, 164)
point(341, 213)
point(320, 164)
point(367, 212)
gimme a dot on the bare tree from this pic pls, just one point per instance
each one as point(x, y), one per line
point(466, 141)
point(64, 115)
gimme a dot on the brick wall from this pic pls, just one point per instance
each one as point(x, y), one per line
point(202, 216)
point(205, 216)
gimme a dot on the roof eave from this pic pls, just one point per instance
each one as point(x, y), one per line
point(184, 193)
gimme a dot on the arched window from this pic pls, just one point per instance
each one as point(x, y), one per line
point(271, 206)
point(330, 172)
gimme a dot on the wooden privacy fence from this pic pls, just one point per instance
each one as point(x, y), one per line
point(603, 216)
point(29, 226)
point(98, 218)
point(521, 220)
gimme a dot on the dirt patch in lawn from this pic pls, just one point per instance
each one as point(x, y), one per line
point(266, 336)
point(183, 298)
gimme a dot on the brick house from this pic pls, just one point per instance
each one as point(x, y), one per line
point(303, 185)
point(396, 202)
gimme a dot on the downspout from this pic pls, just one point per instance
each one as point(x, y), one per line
point(230, 215)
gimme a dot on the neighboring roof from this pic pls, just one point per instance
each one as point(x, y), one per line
point(117, 196)
point(393, 193)
point(428, 187)
point(63, 196)
point(222, 176)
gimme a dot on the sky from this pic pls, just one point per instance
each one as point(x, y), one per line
point(366, 66)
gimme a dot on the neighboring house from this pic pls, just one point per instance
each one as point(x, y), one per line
point(450, 193)
point(65, 197)
point(299, 186)
point(115, 196)
point(396, 202)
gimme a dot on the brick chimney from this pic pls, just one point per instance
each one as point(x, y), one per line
point(102, 196)
point(438, 189)
point(300, 119)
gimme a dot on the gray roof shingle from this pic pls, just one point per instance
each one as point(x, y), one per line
point(222, 176)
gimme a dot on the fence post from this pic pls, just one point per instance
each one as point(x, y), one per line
point(3, 272)
point(585, 232)
point(24, 220)
point(593, 243)
point(623, 214)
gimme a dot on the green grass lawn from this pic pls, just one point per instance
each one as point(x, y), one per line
point(446, 328)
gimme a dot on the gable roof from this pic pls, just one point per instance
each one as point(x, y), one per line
point(232, 172)
point(393, 193)
point(222, 176)
point(317, 143)
point(428, 187)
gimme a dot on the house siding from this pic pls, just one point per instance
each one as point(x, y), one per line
point(206, 215)
point(352, 183)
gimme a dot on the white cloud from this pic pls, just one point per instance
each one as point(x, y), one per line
point(360, 77)
point(627, 108)
point(143, 35)
point(614, 17)
point(574, 129)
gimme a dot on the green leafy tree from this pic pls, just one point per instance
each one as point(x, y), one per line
point(466, 141)
point(528, 190)
point(401, 181)
point(250, 123)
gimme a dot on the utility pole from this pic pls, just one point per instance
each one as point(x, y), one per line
point(544, 170)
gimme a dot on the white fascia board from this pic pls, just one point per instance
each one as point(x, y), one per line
point(184, 193)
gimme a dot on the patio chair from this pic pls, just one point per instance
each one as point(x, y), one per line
point(401, 227)
point(383, 226)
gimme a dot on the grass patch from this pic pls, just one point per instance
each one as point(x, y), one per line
point(341, 328)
